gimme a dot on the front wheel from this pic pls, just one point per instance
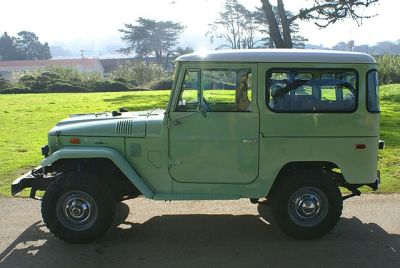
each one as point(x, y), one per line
point(78, 208)
point(307, 205)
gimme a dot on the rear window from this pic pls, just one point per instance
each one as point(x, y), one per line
point(313, 91)
point(373, 92)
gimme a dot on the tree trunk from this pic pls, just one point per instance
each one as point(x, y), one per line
point(273, 24)
point(287, 38)
point(158, 57)
point(270, 41)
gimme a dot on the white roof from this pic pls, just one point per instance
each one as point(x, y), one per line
point(279, 55)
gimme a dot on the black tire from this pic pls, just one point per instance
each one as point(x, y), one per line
point(306, 204)
point(78, 208)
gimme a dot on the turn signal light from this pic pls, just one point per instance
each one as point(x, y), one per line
point(74, 141)
point(361, 146)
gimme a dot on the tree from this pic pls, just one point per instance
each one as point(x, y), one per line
point(8, 50)
point(341, 46)
point(182, 51)
point(151, 38)
point(236, 27)
point(322, 12)
point(28, 45)
point(25, 46)
point(261, 20)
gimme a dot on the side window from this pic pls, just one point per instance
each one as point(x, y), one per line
point(189, 97)
point(373, 92)
point(312, 91)
point(226, 90)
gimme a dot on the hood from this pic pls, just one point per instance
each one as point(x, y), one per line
point(130, 124)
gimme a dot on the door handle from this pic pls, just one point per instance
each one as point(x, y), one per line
point(249, 141)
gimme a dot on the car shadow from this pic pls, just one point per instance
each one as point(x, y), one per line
point(207, 240)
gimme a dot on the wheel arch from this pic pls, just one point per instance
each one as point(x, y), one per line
point(96, 153)
point(323, 167)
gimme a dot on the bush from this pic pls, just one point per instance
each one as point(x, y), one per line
point(110, 86)
point(28, 80)
point(389, 69)
point(38, 82)
point(120, 79)
point(65, 87)
point(51, 75)
point(132, 82)
point(140, 72)
point(3, 83)
point(57, 79)
point(162, 84)
point(16, 89)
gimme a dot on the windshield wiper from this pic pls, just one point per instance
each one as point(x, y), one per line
point(152, 110)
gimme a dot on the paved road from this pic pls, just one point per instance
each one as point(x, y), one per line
point(205, 234)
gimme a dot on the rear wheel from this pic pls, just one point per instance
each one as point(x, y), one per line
point(78, 208)
point(307, 205)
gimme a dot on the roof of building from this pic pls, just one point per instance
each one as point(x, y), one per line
point(88, 63)
point(279, 55)
point(111, 64)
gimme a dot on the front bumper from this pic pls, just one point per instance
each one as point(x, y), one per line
point(36, 179)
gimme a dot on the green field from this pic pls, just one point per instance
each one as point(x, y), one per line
point(26, 118)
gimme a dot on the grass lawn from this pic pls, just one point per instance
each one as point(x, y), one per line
point(390, 133)
point(25, 120)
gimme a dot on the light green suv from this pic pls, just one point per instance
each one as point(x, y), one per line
point(291, 126)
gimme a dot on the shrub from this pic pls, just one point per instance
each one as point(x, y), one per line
point(389, 69)
point(40, 81)
point(132, 82)
point(120, 79)
point(65, 87)
point(28, 80)
point(16, 89)
point(110, 86)
point(162, 84)
point(3, 83)
point(51, 75)
point(140, 72)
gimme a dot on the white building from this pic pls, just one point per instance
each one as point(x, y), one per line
point(83, 65)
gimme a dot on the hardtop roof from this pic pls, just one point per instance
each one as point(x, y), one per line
point(278, 55)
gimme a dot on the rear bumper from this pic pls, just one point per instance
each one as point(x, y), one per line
point(374, 186)
point(36, 179)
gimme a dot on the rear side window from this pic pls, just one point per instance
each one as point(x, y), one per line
point(312, 91)
point(373, 92)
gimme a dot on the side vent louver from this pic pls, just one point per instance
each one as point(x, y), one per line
point(124, 127)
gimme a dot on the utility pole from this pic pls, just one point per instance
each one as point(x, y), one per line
point(82, 53)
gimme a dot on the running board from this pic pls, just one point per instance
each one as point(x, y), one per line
point(167, 196)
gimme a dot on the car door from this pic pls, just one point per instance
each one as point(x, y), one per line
point(214, 130)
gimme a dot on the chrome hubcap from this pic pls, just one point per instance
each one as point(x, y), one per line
point(76, 210)
point(308, 206)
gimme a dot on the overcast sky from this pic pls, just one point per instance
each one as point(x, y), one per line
point(54, 20)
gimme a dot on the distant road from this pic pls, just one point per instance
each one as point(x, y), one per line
point(205, 234)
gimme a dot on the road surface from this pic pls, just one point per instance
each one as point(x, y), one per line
point(150, 233)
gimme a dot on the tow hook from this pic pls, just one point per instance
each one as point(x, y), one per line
point(354, 192)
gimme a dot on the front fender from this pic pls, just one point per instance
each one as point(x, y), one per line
point(101, 152)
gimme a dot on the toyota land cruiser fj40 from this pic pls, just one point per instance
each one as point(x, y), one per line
point(291, 126)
